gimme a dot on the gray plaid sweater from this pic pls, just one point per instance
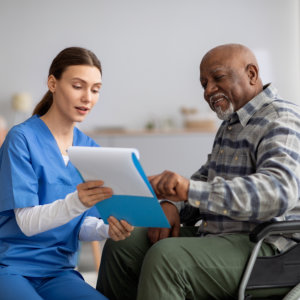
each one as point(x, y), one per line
point(253, 172)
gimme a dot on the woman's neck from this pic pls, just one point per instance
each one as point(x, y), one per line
point(61, 129)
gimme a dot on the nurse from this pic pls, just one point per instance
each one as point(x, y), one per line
point(45, 209)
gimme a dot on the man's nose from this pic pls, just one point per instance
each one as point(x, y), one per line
point(210, 89)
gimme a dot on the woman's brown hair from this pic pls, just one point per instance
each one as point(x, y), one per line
point(68, 57)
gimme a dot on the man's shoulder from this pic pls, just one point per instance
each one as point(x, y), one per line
point(282, 103)
point(285, 108)
point(279, 108)
point(273, 114)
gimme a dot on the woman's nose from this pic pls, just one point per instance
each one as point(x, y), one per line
point(87, 96)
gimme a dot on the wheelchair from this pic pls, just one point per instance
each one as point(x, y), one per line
point(281, 271)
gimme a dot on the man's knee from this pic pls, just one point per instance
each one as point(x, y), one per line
point(163, 254)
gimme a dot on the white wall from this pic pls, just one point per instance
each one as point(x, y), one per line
point(150, 50)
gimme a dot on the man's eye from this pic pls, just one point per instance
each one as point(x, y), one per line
point(219, 77)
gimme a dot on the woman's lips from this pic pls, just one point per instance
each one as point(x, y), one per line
point(82, 110)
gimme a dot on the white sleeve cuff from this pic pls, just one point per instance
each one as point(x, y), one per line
point(93, 229)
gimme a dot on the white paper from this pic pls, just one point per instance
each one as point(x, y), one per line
point(112, 165)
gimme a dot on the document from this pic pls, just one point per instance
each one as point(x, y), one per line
point(133, 198)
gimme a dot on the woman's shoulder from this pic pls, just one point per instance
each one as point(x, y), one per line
point(81, 139)
point(25, 128)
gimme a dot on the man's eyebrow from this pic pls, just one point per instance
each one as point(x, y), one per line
point(217, 69)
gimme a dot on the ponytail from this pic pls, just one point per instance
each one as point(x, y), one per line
point(43, 106)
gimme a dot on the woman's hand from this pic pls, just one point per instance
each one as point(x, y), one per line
point(92, 192)
point(119, 230)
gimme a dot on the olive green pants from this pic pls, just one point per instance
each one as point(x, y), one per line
point(185, 267)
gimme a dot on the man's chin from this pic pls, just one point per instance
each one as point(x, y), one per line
point(224, 115)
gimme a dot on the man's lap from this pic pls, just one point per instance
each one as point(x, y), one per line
point(201, 264)
point(196, 267)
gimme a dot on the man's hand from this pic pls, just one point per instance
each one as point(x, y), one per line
point(119, 230)
point(171, 212)
point(169, 185)
point(92, 192)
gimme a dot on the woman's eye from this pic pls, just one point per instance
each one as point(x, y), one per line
point(95, 91)
point(77, 87)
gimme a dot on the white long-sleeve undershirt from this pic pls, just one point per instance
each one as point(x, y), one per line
point(40, 218)
point(93, 229)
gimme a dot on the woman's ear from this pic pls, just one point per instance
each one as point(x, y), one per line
point(252, 71)
point(51, 83)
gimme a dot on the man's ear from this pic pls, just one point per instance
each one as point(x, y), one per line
point(51, 83)
point(252, 71)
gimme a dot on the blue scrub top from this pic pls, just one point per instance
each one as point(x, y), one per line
point(33, 172)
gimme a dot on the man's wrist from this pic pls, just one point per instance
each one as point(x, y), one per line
point(178, 205)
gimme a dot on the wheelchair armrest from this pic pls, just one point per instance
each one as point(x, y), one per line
point(263, 230)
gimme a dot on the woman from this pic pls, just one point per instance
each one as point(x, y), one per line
point(44, 207)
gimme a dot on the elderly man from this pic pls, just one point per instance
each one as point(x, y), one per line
point(252, 175)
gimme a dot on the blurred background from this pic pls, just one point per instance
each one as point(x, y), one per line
point(150, 52)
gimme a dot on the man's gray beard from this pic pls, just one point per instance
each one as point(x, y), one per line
point(225, 115)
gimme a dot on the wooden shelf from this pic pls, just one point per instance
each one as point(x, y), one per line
point(125, 132)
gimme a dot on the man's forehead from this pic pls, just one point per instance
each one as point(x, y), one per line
point(213, 67)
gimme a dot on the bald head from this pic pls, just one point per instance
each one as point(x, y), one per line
point(230, 70)
point(233, 53)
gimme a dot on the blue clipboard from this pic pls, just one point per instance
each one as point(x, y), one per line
point(137, 210)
